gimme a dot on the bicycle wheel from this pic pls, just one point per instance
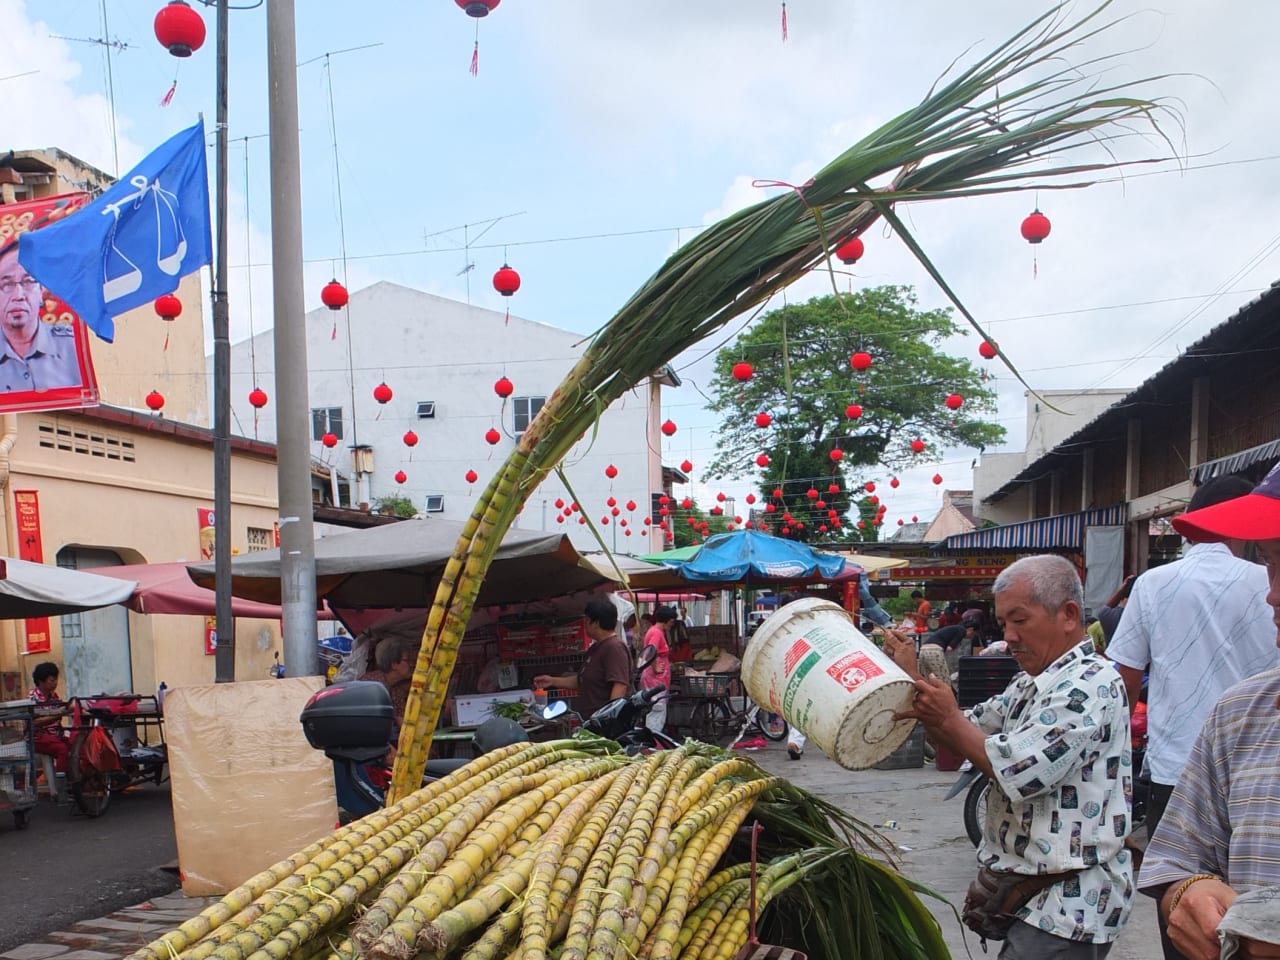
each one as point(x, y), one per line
point(774, 729)
point(90, 787)
point(975, 809)
point(710, 722)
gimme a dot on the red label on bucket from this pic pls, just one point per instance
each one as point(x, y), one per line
point(795, 655)
point(853, 670)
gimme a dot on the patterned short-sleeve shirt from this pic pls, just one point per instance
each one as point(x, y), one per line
point(1063, 792)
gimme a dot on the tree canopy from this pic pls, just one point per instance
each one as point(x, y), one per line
point(804, 383)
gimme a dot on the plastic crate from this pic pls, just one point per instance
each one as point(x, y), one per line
point(981, 678)
point(909, 756)
point(711, 685)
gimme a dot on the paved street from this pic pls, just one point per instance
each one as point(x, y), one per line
point(64, 867)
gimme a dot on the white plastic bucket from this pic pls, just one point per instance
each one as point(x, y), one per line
point(809, 662)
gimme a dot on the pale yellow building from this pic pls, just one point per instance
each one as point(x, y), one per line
point(120, 484)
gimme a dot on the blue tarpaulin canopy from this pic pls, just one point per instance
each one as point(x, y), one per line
point(751, 557)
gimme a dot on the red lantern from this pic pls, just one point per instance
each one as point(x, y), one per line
point(258, 398)
point(769, 508)
point(899, 521)
point(988, 350)
point(860, 361)
point(873, 500)
point(611, 502)
point(382, 393)
point(492, 436)
point(762, 461)
point(937, 479)
point(504, 387)
point(669, 428)
point(168, 307)
point(721, 497)
point(853, 411)
point(477, 8)
point(915, 519)
point(631, 504)
point(179, 29)
point(506, 281)
point(686, 466)
point(917, 445)
point(750, 498)
point(611, 471)
point(833, 488)
point(664, 511)
point(334, 295)
point(401, 476)
point(717, 511)
point(954, 401)
point(155, 400)
point(777, 493)
point(559, 501)
point(687, 503)
point(785, 531)
point(822, 528)
point(410, 439)
point(862, 525)
point(811, 493)
point(664, 500)
point(894, 482)
point(763, 420)
point(850, 252)
point(869, 486)
point(330, 440)
point(836, 455)
point(1036, 227)
point(743, 371)
point(820, 505)
point(472, 477)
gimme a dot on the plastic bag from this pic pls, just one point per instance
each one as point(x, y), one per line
point(355, 664)
point(99, 752)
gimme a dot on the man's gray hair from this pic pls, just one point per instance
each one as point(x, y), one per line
point(1053, 580)
point(392, 650)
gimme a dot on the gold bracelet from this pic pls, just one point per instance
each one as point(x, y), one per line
point(1182, 888)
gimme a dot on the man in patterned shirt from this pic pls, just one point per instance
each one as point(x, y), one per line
point(1055, 745)
point(1220, 835)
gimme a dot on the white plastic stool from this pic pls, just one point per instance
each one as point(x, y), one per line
point(51, 781)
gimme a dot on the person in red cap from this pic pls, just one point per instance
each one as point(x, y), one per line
point(1220, 835)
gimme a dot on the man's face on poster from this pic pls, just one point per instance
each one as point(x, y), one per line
point(21, 298)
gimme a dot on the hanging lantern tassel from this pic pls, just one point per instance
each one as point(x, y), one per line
point(168, 97)
point(475, 53)
point(784, 21)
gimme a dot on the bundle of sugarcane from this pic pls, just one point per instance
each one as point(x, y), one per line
point(965, 138)
point(568, 849)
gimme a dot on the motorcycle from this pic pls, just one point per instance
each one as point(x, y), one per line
point(354, 722)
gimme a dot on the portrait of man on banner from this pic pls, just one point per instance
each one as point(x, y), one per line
point(45, 358)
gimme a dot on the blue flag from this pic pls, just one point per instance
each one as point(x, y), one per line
point(135, 242)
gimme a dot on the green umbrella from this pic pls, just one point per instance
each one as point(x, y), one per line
point(678, 555)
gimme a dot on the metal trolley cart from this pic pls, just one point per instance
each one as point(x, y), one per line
point(17, 760)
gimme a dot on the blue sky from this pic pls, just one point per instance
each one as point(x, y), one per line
point(591, 119)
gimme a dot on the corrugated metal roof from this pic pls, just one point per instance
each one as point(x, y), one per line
point(1064, 531)
point(1201, 354)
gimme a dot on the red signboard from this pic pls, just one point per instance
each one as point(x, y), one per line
point(204, 518)
point(31, 548)
point(45, 361)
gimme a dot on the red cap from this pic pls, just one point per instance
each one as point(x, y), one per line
point(1255, 516)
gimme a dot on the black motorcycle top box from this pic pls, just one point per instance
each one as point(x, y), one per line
point(353, 714)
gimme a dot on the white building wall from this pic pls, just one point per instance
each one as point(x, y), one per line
point(427, 348)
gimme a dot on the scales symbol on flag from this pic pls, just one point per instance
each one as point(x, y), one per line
point(128, 280)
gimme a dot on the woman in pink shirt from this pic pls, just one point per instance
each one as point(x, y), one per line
point(657, 673)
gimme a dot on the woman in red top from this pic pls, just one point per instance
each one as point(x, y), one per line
point(49, 736)
point(657, 673)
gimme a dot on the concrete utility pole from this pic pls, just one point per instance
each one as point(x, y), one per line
point(225, 655)
point(297, 543)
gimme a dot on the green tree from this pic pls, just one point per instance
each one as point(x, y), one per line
point(395, 507)
point(804, 382)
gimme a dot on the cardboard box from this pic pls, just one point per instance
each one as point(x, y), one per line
point(474, 709)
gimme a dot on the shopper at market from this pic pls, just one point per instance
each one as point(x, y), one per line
point(1219, 835)
point(605, 674)
point(656, 649)
point(919, 616)
point(1202, 624)
point(1055, 745)
point(50, 738)
point(395, 658)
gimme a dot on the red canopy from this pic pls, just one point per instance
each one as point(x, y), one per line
point(168, 588)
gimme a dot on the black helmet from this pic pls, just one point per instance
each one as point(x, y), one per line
point(498, 732)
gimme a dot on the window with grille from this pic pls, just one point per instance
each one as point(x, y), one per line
point(435, 503)
point(260, 538)
point(524, 409)
point(426, 409)
point(326, 420)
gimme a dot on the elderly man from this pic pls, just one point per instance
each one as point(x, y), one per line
point(1220, 835)
point(1056, 747)
point(33, 355)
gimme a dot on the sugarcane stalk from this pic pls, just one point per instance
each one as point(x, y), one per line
point(701, 924)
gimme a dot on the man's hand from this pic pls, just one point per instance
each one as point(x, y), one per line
point(1193, 926)
point(934, 704)
point(902, 650)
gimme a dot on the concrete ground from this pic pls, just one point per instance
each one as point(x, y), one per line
point(929, 837)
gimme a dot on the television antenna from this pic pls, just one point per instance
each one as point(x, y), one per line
point(109, 45)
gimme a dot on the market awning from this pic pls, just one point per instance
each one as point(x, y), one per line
point(1062, 532)
point(1225, 466)
point(167, 588)
point(42, 590)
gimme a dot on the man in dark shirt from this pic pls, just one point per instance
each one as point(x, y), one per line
point(949, 638)
point(606, 673)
